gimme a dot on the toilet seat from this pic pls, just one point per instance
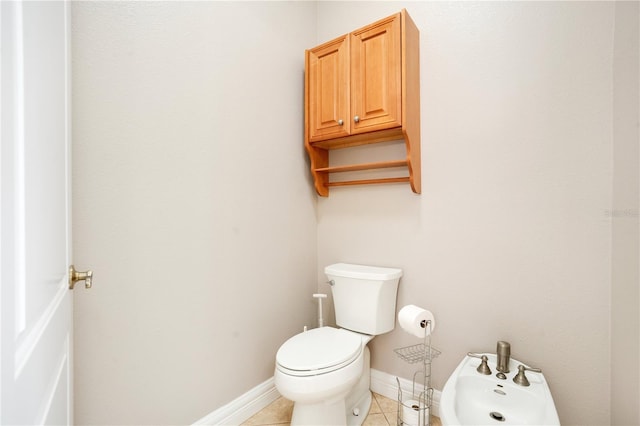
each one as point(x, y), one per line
point(318, 351)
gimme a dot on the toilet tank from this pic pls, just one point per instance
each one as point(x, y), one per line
point(364, 297)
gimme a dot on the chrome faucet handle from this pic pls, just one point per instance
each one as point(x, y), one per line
point(483, 368)
point(520, 378)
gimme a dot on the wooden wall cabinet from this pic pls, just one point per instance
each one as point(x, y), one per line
point(364, 88)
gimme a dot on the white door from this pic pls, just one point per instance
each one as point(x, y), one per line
point(36, 304)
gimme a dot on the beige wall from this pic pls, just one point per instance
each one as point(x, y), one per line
point(625, 315)
point(511, 237)
point(192, 203)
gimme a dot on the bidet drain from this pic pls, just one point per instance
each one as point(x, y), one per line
point(496, 416)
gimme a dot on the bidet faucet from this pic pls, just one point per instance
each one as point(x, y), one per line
point(503, 351)
point(483, 368)
point(520, 378)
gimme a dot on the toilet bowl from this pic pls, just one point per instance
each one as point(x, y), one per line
point(326, 371)
point(319, 370)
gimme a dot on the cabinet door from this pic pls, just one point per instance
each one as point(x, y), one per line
point(376, 73)
point(327, 90)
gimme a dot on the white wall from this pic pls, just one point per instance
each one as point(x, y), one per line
point(510, 238)
point(192, 203)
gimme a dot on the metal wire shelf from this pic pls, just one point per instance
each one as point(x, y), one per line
point(417, 353)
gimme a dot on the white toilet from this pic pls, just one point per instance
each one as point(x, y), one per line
point(325, 371)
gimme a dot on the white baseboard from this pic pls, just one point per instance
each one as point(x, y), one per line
point(385, 384)
point(243, 407)
point(248, 404)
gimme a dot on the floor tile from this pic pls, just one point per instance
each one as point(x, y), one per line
point(383, 412)
point(375, 420)
point(392, 418)
point(278, 412)
point(387, 405)
point(375, 408)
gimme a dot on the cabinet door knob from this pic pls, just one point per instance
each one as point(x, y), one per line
point(356, 119)
point(340, 122)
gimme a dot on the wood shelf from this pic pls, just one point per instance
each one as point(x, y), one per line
point(363, 166)
point(360, 139)
point(369, 181)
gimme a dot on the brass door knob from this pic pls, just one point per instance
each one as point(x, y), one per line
point(75, 276)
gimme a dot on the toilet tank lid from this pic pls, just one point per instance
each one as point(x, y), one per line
point(362, 272)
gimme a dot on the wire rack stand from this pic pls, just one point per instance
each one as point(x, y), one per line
point(414, 409)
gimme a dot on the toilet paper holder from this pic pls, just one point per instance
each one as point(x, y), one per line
point(414, 408)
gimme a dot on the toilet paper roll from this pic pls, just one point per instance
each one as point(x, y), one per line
point(413, 320)
point(412, 410)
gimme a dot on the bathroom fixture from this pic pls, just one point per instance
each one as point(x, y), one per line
point(483, 368)
point(320, 296)
point(326, 371)
point(415, 408)
point(520, 378)
point(471, 398)
point(503, 350)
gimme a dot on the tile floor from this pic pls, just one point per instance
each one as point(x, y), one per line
point(383, 412)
